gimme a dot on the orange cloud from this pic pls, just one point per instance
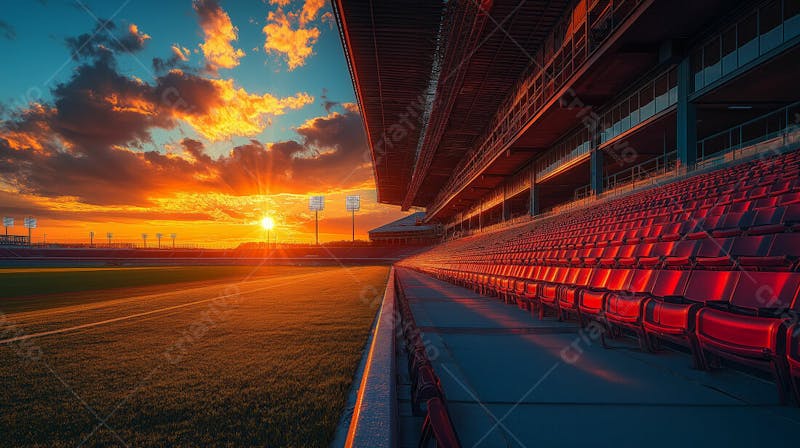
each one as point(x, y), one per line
point(180, 53)
point(239, 112)
point(296, 44)
point(310, 10)
point(219, 33)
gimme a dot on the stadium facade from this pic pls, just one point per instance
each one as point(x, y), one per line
point(629, 166)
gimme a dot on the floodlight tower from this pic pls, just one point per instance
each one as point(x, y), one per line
point(91, 239)
point(316, 204)
point(30, 224)
point(144, 240)
point(109, 235)
point(173, 236)
point(8, 222)
point(353, 204)
point(158, 237)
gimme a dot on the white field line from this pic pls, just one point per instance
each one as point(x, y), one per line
point(24, 317)
point(145, 313)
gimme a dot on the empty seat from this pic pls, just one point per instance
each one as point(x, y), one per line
point(625, 308)
point(749, 329)
point(767, 220)
point(747, 251)
point(678, 297)
point(591, 302)
point(782, 255)
point(732, 224)
point(570, 291)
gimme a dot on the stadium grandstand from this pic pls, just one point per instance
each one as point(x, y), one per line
point(624, 176)
point(408, 230)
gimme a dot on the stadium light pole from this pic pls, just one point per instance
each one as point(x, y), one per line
point(144, 240)
point(109, 235)
point(30, 224)
point(173, 236)
point(91, 239)
point(353, 204)
point(316, 204)
point(8, 222)
point(158, 237)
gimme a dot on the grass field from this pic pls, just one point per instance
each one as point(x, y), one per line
point(244, 360)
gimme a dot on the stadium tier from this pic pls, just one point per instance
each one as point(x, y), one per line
point(710, 262)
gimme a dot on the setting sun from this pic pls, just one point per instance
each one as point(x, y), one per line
point(267, 223)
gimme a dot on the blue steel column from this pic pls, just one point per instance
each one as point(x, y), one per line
point(687, 120)
point(596, 171)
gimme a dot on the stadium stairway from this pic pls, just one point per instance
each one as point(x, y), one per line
point(709, 263)
point(507, 378)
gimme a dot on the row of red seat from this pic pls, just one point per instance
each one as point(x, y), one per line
point(760, 209)
point(425, 384)
point(709, 262)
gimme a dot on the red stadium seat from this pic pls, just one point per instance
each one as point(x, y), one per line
point(625, 308)
point(438, 427)
point(670, 315)
point(751, 329)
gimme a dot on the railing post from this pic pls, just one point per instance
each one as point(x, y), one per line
point(687, 118)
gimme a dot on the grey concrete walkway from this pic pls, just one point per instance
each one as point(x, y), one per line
point(513, 380)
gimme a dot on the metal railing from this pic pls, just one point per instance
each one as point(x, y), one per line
point(730, 142)
point(638, 173)
point(538, 88)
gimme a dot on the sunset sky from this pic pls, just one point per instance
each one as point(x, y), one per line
point(199, 118)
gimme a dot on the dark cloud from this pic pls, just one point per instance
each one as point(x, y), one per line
point(99, 107)
point(104, 41)
point(207, 10)
point(327, 103)
point(7, 31)
point(328, 156)
point(90, 142)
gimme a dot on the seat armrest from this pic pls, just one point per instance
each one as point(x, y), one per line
point(718, 305)
point(674, 299)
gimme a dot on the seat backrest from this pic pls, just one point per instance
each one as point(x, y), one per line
point(642, 281)
point(773, 290)
point(582, 276)
point(599, 278)
point(751, 246)
point(685, 248)
point(561, 275)
point(792, 214)
point(661, 249)
point(768, 215)
point(706, 286)
point(785, 244)
point(670, 283)
point(619, 279)
point(735, 220)
point(714, 247)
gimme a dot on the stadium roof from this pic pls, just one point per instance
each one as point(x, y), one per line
point(408, 223)
point(469, 53)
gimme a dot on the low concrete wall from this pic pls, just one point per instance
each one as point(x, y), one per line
point(374, 421)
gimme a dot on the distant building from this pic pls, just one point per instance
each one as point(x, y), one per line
point(407, 230)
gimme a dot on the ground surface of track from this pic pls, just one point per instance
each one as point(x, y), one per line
point(262, 359)
point(514, 380)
